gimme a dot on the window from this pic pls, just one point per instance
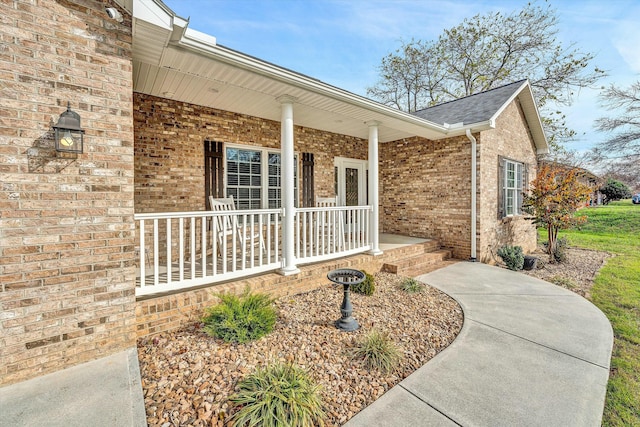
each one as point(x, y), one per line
point(254, 177)
point(513, 180)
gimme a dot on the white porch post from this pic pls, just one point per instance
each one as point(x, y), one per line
point(288, 188)
point(373, 187)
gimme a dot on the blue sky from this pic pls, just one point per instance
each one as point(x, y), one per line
point(342, 42)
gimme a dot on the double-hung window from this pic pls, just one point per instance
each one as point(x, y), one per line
point(254, 177)
point(513, 187)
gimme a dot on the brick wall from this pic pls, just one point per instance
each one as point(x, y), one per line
point(169, 150)
point(66, 222)
point(510, 139)
point(438, 204)
point(424, 191)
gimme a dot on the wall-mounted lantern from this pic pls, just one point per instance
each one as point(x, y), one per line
point(69, 135)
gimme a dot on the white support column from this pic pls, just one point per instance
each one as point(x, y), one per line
point(288, 188)
point(374, 227)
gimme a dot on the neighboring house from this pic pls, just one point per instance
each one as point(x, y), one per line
point(584, 176)
point(122, 240)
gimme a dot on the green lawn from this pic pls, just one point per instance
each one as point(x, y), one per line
point(616, 229)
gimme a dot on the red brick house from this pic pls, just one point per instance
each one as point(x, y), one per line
point(121, 240)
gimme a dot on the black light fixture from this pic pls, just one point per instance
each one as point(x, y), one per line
point(69, 135)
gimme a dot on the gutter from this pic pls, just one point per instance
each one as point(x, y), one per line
point(474, 152)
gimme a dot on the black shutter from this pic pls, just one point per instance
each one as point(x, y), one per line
point(308, 199)
point(500, 187)
point(525, 185)
point(213, 171)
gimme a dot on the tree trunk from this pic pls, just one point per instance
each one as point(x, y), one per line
point(552, 234)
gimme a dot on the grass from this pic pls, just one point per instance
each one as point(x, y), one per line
point(411, 285)
point(616, 229)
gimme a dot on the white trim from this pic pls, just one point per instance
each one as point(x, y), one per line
point(362, 166)
point(264, 169)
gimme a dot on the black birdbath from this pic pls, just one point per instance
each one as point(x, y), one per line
point(346, 277)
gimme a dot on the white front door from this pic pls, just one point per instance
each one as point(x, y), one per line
point(351, 181)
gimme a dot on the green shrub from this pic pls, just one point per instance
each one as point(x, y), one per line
point(560, 254)
point(512, 257)
point(278, 395)
point(367, 286)
point(240, 319)
point(411, 285)
point(377, 351)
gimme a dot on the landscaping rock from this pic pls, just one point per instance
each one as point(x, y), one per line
point(188, 376)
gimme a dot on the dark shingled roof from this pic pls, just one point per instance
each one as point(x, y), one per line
point(476, 108)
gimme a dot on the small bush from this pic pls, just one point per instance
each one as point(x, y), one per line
point(565, 282)
point(240, 319)
point(377, 351)
point(411, 286)
point(367, 286)
point(278, 395)
point(512, 257)
point(560, 254)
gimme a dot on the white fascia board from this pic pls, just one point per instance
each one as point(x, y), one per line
point(461, 128)
point(525, 94)
point(254, 65)
point(154, 12)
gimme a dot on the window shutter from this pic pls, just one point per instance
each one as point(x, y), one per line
point(525, 185)
point(500, 187)
point(308, 198)
point(213, 171)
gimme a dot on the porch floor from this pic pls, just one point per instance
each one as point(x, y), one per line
point(393, 241)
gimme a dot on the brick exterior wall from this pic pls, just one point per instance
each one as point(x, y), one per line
point(424, 191)
point(169, 150)
point(510, 139)
point(66, 221)
point(425, 188)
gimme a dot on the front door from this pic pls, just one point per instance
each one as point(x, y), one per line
point(351, 181)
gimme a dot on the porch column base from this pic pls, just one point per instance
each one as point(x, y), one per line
point(375, 252)
point(288, 272)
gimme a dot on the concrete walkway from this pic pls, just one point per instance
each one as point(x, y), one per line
point(102, 393)
point(529, 354)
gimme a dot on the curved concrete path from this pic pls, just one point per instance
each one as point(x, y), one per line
point(529, 354)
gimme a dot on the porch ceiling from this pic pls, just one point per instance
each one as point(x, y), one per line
point(172, 61)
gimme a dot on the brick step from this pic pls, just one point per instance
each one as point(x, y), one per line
point(413, 250)
point(417, 264)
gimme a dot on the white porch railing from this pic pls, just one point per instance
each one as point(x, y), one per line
point(185, 249)
point(331, 232)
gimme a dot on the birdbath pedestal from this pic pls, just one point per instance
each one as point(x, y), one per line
point(346, 277)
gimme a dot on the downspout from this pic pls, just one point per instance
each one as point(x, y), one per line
point(473, 194)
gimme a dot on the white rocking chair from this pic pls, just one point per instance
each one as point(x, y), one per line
point(331, 222)
point(226, 224)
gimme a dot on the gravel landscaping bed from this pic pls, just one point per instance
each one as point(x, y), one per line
point(187, 376)
point(576, 273)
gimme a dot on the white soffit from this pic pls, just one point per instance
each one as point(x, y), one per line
point(165, 66)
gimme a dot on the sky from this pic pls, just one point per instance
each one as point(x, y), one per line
point(342, 42)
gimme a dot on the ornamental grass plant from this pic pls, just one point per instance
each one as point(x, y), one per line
point(279, 395)
point(378, 351)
